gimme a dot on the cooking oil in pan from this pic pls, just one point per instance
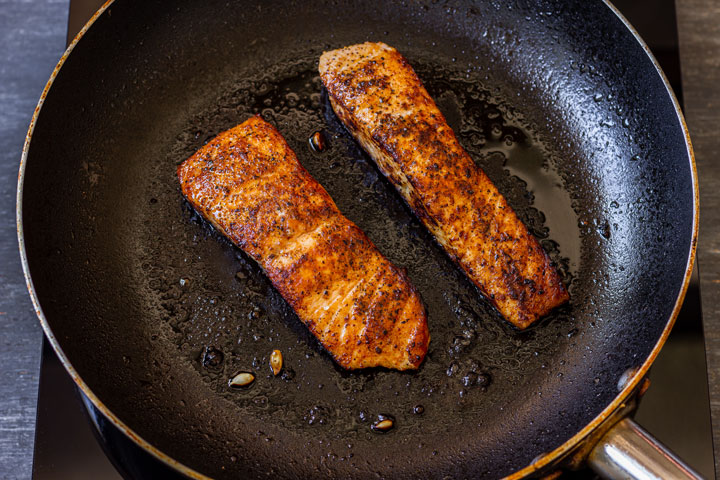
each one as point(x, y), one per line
point(226, 316)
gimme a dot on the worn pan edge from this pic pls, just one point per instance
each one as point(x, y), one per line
point(540, 463)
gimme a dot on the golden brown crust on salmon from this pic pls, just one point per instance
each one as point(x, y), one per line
point(249, 184)
point(383, 103)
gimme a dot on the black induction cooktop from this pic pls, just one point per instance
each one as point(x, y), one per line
point(676, 408)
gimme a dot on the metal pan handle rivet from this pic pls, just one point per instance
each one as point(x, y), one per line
point(626, 378)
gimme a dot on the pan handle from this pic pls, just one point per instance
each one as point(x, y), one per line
point(629, 451)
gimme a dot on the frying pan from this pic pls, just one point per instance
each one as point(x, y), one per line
point(151, 311)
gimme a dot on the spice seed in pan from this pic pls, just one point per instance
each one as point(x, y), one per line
point(317, 141)
point(276, 361)
point(241, 380)
point(384, 424)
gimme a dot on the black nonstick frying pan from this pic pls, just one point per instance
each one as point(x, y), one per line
point(152, 311)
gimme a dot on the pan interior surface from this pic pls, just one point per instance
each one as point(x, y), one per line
point(560, 106)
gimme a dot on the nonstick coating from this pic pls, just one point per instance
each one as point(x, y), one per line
point(560, 105)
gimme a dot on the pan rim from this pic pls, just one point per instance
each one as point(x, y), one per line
point(543, 461)
point(79, 382)
point(640, 373)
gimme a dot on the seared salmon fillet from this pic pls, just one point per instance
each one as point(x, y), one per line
point(249, 184)
point(383, 103)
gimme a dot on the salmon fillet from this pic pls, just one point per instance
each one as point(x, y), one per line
point(249, 184)
point(382, 102)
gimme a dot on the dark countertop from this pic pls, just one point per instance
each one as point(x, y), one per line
point(33, 38)
point(699, 32)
